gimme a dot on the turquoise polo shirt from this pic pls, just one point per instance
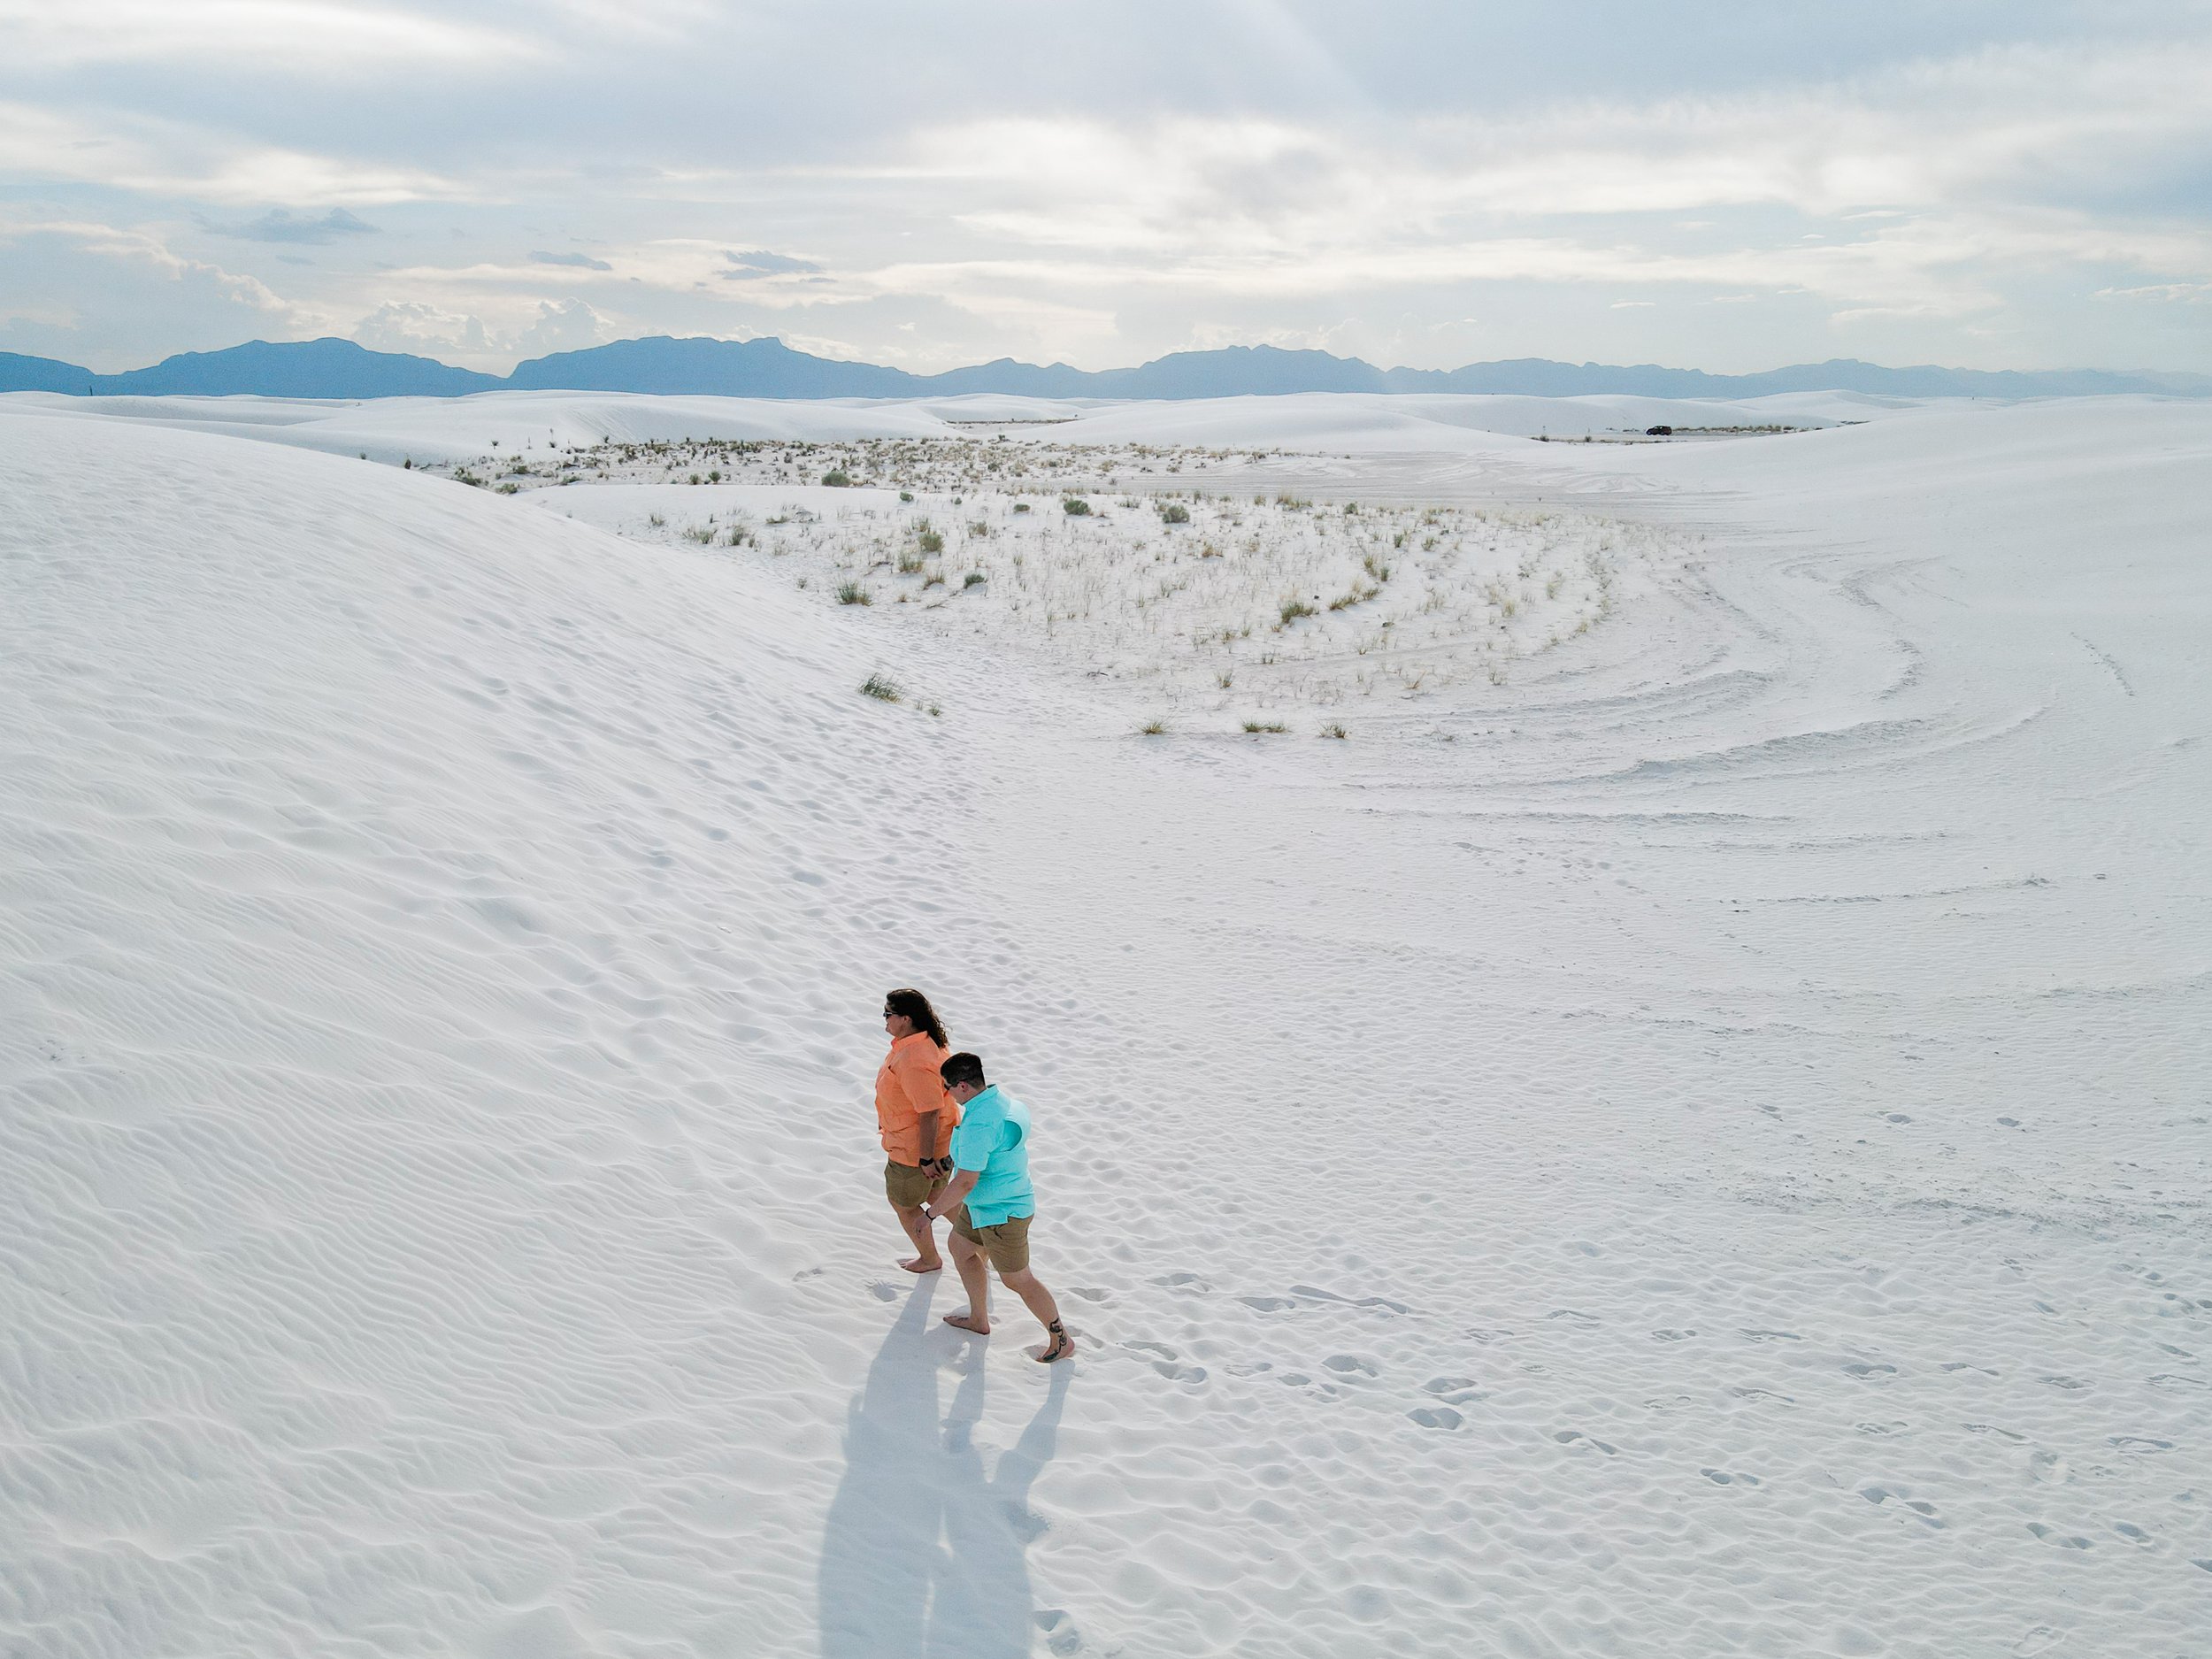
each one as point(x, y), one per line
point(993, 1140)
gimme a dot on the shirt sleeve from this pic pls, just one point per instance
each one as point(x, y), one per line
point(924, 1089)
point(973, 1142)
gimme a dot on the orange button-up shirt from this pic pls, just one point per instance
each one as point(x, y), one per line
point(908, 1085)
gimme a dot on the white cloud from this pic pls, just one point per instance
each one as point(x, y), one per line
point(164, 158)
point(285, 34)
point(428, 330)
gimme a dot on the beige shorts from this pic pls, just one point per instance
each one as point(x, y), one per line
point(909, 1185)
point(1006, 1245)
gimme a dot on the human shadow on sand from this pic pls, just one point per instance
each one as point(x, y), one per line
point(924, 1553)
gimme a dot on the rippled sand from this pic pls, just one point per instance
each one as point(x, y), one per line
point(1697, 1148)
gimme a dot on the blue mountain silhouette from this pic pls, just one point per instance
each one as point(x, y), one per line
point(331, 368)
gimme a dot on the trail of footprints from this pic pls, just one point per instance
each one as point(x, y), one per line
point(1442, 1397)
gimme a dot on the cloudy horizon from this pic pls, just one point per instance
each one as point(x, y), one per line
point(1998, 186)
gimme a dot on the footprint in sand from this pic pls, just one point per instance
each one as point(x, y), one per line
point(2051, 1535)
point(1268, 1304)
point(1089, 1294)
point(1381, 1304)
point(1881, 1497)
point(1721, 1477)
point(1436, 1416)
point(1348, 1364)
point(1190, 1282)
point(1568, 1437)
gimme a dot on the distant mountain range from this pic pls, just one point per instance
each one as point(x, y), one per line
point(768, 368)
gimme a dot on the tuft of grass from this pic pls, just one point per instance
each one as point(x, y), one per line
point(881, 688)
point(1076, 507)
point(1155, 728)
point(973, 579)
point(836, 479)
point(1175, 512)
point(1376, 568)
point(931, 542)
point(702, 533)
point(909, 564)
point(854, 594)
point(657, 521)
point(1334, 730)
point(1265, 727)
point(1294, 609)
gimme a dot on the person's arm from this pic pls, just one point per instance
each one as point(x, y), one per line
point(925, 1095)
point(954, 1195)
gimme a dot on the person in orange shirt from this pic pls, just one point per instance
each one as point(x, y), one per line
point(915, 1116)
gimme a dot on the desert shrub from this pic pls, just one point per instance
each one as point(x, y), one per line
point(909, 564)
point(906, 495)
point(854, 594)
point(657, 521)
point(1175, 512)
point(461, 475)
point(1076, 507)
point(931, 542)
point(973, 579)
point(837, 479)
point(882, 688)
point(1021, 506)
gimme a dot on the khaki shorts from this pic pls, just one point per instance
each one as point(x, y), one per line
point(909, 1185)
point(1007, 1245)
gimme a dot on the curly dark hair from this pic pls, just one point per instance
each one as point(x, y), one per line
point(913, 1005)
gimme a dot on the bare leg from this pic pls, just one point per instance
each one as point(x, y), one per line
point(924, 1238)
point(1038, 1299)
point(975, 1278)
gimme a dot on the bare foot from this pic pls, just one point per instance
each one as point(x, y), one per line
point(918, 1265)
point(963, 1322)
point(1060, 1347)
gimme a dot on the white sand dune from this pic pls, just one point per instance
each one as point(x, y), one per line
point(1699, 1148)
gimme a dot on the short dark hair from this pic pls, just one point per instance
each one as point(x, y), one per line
point(961, 1068)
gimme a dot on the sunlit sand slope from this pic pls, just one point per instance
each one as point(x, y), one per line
point(1697, 1147)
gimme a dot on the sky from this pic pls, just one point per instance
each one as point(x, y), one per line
point(1732, 187)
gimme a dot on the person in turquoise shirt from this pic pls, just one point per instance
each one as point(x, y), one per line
point(991, 1204)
